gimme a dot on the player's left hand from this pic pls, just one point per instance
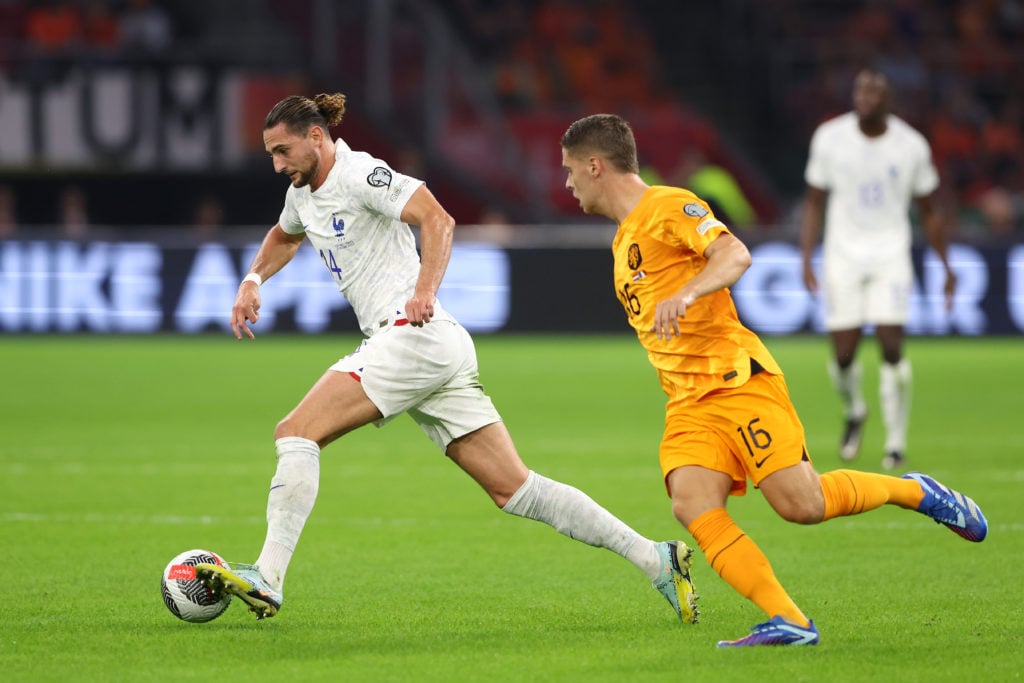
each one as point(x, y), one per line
point(419, 309)
point(950, 289)
point(667, 314)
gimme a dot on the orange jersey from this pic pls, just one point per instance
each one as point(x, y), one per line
point(657, 249)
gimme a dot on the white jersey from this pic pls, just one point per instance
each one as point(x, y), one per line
point(870, 181)
point(353, 221)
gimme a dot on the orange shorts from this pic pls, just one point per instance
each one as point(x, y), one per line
point(746, 432)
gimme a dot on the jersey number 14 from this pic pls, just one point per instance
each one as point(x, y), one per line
point(331, 263)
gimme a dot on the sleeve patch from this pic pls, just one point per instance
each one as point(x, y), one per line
point(707, 225)
point(398, 190)
point(381, 177)
point(695, 210)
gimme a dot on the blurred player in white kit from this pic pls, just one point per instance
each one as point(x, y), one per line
point(867, 165)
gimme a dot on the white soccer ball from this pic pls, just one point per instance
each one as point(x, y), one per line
point(185, 595)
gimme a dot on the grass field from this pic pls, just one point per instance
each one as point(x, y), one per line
point(118, 453)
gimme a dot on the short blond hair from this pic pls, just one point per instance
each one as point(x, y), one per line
point(605, 135)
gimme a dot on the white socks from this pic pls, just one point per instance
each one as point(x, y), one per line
point(847, 383)
point(574, 514)
point(571, 512)
point(894, 390)
point(292, 495)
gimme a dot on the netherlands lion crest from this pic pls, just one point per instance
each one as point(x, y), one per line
point(633, 256)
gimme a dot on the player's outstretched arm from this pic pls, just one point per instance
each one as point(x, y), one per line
point(934, 226)
point(277, 250)
point(810, 232)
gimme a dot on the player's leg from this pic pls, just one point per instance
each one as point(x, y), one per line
point(789, 483)
point(800, 495)
point(335, 405)
point(381, 379)
point(699, 496)
point(844, 319)
point(488, 455)
point(698, 502)
point(895, 380)
point(845, 372)
point(461, 419)
point(775, 458)
point(490, 458)
point(887, 307)
point(705, 454)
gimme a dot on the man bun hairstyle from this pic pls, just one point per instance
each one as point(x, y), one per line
point(605, 135)
point(300, 113)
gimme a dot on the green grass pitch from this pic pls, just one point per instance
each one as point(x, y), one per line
point(118, 453)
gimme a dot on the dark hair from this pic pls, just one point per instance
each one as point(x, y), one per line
point(607, 135)
point(301, 113)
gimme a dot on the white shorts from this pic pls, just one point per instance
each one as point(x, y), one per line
point(429, 372)
point(875, 293)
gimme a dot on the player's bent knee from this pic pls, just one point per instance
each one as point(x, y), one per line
point(284, 429)
point(502, 490)
point(289, 427)
point(801, 511)
point(500, 500)
point(686, 511)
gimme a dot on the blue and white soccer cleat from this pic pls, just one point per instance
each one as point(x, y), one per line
point(245, 581)
point(778, 631)
point(952, 508)
point(674, 581)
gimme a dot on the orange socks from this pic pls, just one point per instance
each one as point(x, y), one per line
point(850, 492)
point(742, 565)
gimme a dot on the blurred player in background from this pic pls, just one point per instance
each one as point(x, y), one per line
point(729, 417)
point(868, 164)
point(416, 359)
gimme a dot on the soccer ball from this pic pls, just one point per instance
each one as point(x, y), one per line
point(185, 595)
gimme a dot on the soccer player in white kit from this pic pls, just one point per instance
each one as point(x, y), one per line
point(868, 164)
point(416, 357)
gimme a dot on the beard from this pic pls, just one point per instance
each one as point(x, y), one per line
point(301, 178)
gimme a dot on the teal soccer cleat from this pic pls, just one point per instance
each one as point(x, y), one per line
point(778, 631)
point(674, 581)
point(245, 581)
point(952, 508)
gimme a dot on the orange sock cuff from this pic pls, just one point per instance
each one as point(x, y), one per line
point(714, 531)
point(851, 492)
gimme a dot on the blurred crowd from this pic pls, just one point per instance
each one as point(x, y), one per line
point(957, 73)
point(593, 55)
point(956, 67)
point(55, 31)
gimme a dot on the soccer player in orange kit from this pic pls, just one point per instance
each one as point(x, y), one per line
point(729, 417)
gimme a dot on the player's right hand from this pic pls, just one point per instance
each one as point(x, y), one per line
point(246, 309)
point(810, 279)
